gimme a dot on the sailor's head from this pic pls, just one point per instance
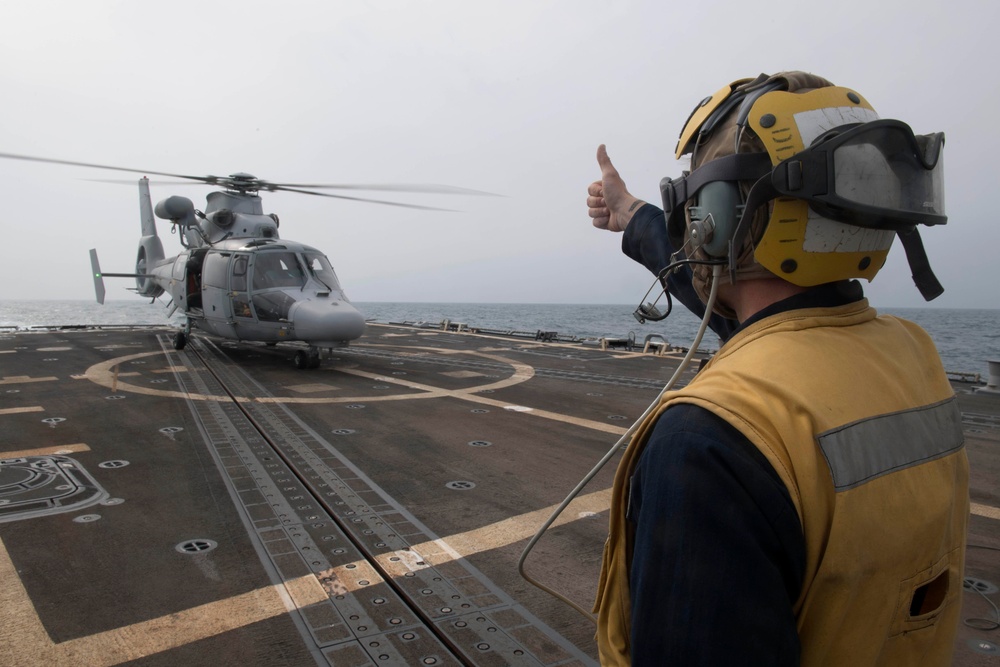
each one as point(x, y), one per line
point(795, 178)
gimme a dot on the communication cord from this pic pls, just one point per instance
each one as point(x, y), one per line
point(716, 274)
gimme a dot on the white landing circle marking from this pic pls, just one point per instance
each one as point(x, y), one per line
point(104, 374)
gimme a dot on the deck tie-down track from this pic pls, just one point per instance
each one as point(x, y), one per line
point(372, 585)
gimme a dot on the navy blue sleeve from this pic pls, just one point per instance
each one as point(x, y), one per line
point(645, 241)
point(718, 556)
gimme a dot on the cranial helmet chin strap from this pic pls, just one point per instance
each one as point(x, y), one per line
point(923, 277)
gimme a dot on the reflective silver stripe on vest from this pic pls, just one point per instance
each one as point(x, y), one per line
point(862, 451)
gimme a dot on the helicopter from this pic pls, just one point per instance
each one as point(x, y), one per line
point(236, 278)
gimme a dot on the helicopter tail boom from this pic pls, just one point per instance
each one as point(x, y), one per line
point(99, 276)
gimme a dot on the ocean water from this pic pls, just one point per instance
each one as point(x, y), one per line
point(966, 338)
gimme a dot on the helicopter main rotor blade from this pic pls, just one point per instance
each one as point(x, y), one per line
point(248, 183)
point(123, 181)
point(364, 199)
point(429, 188)
point(276, 187)
point(204, 179)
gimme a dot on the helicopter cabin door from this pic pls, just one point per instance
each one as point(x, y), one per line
point(216, 301)
point(239, 298)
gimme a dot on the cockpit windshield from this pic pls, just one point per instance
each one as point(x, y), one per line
point(277, 269)
point(320, 267)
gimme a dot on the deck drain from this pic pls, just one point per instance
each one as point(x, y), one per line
point(979, 586)
point(480, 443)
point(52, 421)
point(354, 406)
point(198, 546)
point(479, 411)
point(13, 391)
point(983, 646)
point(114, 397)
point(159, 381)
point(117, 463)
point(594, 393)
point(617, 417)
point(460, 485)
point(113, 501)
point(170, 430)
point(342, 431)
point(87, 518)
point(399, 372)
point(380, 386)
point(485, 391)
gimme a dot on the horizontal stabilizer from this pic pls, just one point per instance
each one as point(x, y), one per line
point(98, 278)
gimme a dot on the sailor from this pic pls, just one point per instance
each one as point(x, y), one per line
point(803, 500)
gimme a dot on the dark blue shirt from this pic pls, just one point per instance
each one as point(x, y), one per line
point(716, 549)
point(718, 555)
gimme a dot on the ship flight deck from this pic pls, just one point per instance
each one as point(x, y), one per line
point(216, 505)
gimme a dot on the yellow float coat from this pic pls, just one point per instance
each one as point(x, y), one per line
point(857, 417)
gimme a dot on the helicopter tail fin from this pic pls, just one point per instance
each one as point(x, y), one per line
point(150, 247)
point(146, 218)
point(98, 276)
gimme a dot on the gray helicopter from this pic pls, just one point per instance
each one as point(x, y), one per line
point(236, 278)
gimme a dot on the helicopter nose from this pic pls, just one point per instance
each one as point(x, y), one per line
point(326, 321)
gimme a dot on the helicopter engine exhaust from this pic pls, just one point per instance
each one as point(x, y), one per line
point(177, 209)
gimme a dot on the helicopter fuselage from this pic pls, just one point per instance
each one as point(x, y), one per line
point(261, 290)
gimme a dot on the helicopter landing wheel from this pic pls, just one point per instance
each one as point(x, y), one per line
point(307, 359)
point(180, 340)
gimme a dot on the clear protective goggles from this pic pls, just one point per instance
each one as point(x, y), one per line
point(876, 174)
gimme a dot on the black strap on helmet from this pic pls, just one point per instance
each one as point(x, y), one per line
point(916, 257)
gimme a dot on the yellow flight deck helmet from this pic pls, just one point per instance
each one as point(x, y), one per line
point(793, 176)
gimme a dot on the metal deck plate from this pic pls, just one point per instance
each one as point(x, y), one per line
point(34, 486)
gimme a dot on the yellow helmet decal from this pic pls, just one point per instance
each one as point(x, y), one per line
point(799, 245)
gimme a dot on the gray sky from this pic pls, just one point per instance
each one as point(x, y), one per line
point(510, 97)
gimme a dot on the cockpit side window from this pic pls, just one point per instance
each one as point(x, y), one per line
point(276, 269)
point(321, 268)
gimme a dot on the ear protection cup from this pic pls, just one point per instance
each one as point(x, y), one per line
point(713, 217)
